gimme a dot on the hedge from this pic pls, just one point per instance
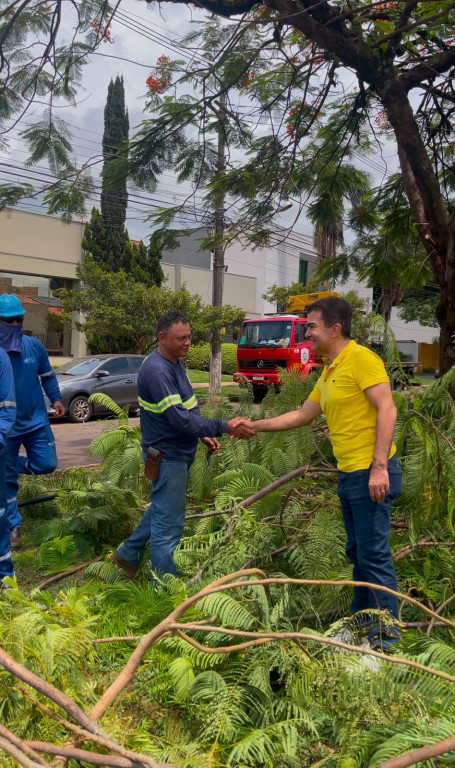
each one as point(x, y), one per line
point(198, 358)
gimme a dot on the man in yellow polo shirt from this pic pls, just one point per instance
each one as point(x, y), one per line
point(354, 394)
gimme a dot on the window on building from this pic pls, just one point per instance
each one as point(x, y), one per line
point(303, 271)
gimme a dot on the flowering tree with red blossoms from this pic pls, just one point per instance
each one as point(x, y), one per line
point(352, 73)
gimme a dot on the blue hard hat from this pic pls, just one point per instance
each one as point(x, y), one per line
point(10, 306)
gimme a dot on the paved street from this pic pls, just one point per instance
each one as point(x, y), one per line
point(72, 440)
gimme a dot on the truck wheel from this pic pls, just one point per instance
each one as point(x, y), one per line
point(79, 410)
point(259, 393)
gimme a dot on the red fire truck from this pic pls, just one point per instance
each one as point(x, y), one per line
point(276, 343)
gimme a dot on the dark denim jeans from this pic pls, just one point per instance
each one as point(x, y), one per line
point(367, 525)
point(162, 523)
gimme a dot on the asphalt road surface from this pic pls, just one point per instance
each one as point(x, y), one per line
point(72, 440)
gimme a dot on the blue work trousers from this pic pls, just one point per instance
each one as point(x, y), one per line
point(6, 563)
point(367, 525)
point(41, 459)
point(162, 523)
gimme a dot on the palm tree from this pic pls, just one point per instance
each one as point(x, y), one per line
point(334, 188)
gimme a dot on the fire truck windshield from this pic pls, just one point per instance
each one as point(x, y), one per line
point(275, 333)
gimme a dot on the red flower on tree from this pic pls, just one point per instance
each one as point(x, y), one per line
point(159, 83)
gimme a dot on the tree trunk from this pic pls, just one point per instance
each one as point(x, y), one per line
point(432, 219)
point(215, 369)
point(390, 297)
point(326, 245)
point(218, 261)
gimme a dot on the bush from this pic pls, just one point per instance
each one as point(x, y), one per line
point(198, 358)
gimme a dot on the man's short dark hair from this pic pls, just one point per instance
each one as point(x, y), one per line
point(334, 310)
point(166, 321)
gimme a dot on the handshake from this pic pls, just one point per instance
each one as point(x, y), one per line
point(241, 428)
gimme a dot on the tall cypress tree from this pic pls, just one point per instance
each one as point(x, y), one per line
point(114, 195)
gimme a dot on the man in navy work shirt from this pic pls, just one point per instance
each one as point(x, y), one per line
point(32, 371)
point(170, 422)
point(7, 419)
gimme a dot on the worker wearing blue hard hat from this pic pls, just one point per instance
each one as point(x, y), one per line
point(32, 373)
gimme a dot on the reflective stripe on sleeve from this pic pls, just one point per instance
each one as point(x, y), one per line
point(189, 404)
point(5, 557)
point(8, 404)
point(44, 375)
point(162, 406)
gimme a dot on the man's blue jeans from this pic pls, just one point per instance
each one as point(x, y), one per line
point(367, 525)
point(41, 460)
point(163, 520)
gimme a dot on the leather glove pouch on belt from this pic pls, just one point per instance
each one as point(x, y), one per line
point(152, 463)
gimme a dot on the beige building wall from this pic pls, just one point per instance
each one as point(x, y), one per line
point(44, 246)
point(34, 244)
point(240, 291)
point(41, 245)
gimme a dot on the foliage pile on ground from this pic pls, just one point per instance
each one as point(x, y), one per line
point(237, 671)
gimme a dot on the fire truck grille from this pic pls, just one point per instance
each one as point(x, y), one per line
point(268, 365)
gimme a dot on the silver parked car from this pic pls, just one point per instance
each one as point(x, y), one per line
point(113, 375)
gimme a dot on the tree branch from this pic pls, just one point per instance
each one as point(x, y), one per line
point(73, 753)
point(170, 625)
point(420, 755)
point(20, 756)
point(21, 745)
point(259, 638)
point(65, 574)
point(422, 543)
point(108, 743)
point(243, 505)
point(49, 691)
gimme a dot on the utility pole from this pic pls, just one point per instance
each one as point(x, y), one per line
point(218, 256)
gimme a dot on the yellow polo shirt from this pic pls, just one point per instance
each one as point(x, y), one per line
point(351, 417)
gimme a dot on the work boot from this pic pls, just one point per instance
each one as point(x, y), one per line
point(128, 569)
point(16, 538)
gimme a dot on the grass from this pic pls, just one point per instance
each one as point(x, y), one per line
point(225, 392)
point(202, 377)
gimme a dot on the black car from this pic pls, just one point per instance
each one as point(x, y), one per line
point(113, 375)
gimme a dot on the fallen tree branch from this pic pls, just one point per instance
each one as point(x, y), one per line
point(425, 542)
point(169, 625)
point(86, 736)
point(69, 706)
point(264, 491)
point(260, 638)
point(21, 745)
point(421, 754)
point(243, 505)
point(65, 574)
point(73, 753)
point(268, 554)
point(20, 756)
point(152, 637)
point(439, 611)
point(49, 691)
